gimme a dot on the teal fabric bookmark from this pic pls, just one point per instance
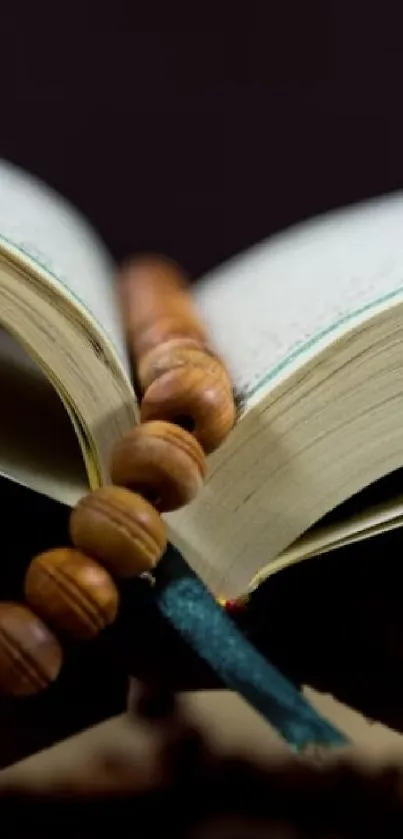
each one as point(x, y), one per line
point(186, 603)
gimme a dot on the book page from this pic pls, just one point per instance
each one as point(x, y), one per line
point(44, 227)
point(320, 540)
point(268, 308)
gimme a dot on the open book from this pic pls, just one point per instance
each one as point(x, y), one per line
point(310, 324)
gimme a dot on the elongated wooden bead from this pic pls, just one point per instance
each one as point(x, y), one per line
point(160, 461)
point(121, 529)
point(30, 655)
point(157, 306)
point(72, 592)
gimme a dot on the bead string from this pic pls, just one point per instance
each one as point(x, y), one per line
point(187, 409)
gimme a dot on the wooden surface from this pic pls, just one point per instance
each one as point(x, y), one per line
point(229, 724)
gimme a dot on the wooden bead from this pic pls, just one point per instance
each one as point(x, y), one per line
point(120, 529)
point(160, 461)
point(194, 398)
point(156, 306)
point(72, 592)
point(30, 655)
point(179, 352)
point(181, 379)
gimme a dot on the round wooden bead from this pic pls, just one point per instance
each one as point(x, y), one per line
point(180, 352)
point(160, 461)
point(119, 528)
point(30, 655)
point(194, 398)
point(71, 591)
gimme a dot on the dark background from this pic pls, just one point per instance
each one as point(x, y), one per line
point(198, 129)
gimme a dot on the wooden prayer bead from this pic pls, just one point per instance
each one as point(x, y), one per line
point(179, 352)
point(120, 529)
point(160, 461)
point(194, 399)
point(72, 592)
point(181, 379)
point(157, 306)
point(30, 655)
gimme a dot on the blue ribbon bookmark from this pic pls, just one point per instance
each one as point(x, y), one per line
point(186, 603)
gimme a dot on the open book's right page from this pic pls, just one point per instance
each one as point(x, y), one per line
point(272, 312)
point(271, 305)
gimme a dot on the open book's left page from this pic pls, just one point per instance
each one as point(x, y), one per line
point(46, 229)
